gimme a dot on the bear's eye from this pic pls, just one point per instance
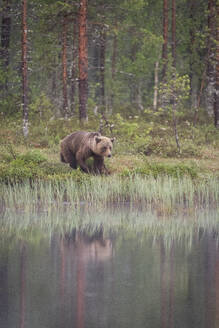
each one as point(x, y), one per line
point(103, 149)
point(110, 147)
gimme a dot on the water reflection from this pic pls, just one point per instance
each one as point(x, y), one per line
point(82, 250)
point(89, 279)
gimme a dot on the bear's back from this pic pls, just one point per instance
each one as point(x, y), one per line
point(78, 140)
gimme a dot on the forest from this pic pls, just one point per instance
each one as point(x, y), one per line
point(144, 71)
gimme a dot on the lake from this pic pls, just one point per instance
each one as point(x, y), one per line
point(113, 268)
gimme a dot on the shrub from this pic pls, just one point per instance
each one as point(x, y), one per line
point(33, 156)
point(157, 169)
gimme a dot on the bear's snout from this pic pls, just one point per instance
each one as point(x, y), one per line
point(109, 155)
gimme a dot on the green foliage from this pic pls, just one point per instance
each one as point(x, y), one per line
point(125, 127)
point(176, 89)
point(40, 110)
point(33, 165)
point(33, 156)
point(157, 169)
point(18, 171)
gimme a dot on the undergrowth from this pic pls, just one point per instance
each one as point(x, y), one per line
point(33, 165)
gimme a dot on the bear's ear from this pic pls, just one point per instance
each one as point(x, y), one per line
point(97, 139)
point(113, 139)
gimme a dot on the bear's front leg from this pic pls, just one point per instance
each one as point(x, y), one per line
point(81, 163)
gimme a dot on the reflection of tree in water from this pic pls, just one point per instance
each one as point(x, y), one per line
point(199, 289)
point(75, 281)
point(217, 292)
point(23, 260)
point(77, 249)
point(167, 286)
point(4, 306)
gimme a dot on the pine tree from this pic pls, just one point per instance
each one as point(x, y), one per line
point(216, 104)
point(83, 61)
point(24, 68)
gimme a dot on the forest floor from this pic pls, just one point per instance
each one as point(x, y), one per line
point(149, 153)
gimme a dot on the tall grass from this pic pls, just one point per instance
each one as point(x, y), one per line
point(174, 208)
point(97, 191)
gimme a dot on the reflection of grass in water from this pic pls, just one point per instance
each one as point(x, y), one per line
point(181, 225)
point(164, 192)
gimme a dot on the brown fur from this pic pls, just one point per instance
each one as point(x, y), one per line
point(77, 147)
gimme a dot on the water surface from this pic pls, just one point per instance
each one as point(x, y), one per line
point(150, 272)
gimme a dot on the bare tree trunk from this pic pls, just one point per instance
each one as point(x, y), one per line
point(102, 66)
point(114, 55)
point(54, 79)
point(139, 97)
point(192, 76)
point(174, 66)
point(199, 96)
point(156, 71)
point(83, 62)
point(216, 104)
point(210, 70)
point(5, 33)
point(64, 67)
point(24, 68)
point(165, 37)
point(174, 32)
point(73, 70)
point(175, 127)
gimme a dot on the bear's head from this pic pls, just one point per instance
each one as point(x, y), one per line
point(103, 146)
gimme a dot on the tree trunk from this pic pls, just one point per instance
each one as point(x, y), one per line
point(193, 78)
point(5, 33)
point(102, 66)
point(175, 127)
point(64, 67)
point(216, 103)
point(83, 62)
point(114, 55)
point(24, 68)
point(139, 97)
point(210, 70)
point(54, 80)
point(73, 70)
point(174, 32)
point(165, 38)
point(156, 71)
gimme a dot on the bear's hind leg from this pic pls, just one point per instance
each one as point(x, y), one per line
point(66, 156)
point(62, 158)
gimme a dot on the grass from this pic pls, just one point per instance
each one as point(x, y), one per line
point(98, 191)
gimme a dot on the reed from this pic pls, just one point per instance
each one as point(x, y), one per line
point(100, 192)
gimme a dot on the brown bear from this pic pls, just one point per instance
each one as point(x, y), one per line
point(77, 147)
